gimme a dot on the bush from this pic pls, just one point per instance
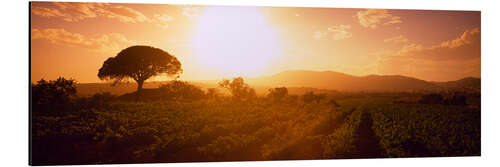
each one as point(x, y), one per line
point(52, 96)
point(432, 98)
point(310, 97)
point(456, 100)
point(238, 88)
point(101, 99)
point(278, 94)
point(181, 90)
point(213, 93)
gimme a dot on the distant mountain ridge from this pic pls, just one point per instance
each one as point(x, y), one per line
point(301, 81)
point(470, 84)
point(343, 82)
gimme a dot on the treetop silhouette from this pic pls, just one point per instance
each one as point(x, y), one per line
point(239, 89)
point(139, 63)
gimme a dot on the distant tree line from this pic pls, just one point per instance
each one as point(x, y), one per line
point(435, 98)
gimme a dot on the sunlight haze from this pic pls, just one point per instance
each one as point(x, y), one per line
point(73, 40)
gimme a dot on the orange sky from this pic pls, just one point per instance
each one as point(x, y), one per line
point(72, 40)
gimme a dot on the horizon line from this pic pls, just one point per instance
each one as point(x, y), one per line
point(210, 80)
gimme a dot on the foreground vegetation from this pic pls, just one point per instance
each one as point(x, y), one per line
point(182, 123)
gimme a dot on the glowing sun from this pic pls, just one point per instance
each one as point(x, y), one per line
point(235, 41)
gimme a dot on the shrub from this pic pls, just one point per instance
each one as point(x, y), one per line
point(213, 93)
point(101, 99)
point(278, 94)
point(456, 100)
point(310, 97)
point(238, 88)
point(432, 98)
point(181, 90)
point(53, 95)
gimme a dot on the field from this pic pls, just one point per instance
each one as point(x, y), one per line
point(105, 128)
point(119, 83)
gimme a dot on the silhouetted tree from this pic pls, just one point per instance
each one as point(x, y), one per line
point(52, 95)
point(238, 88)
point(139, 63)
point(277, 94)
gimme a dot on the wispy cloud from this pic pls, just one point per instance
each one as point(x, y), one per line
point(449, 60)
point(373, 18)
point(46, 12)
point(124, 14)
point(162, 20)
point(111, 42)
point(73, 12)
point(337, 32)
point(319, 35)
point(397, 39)
point(190, 11)
point(78, 11)
point(468, 37)
point(340, 31)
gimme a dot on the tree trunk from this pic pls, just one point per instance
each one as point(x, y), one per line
point(139, 85)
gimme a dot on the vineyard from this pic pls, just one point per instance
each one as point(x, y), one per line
point(181, 123)
point(226, 130)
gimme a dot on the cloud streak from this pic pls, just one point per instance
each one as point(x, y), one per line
point(73, 12)
point(372, 18)
point(111, 42)
point(337, 32)
point(397, 39)
point(450, 60)
point(190, 11)
point(124, 14)
point(317, 35)
point(340, 32)
point(46, 12)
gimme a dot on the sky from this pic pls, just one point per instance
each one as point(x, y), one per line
point(72, 40)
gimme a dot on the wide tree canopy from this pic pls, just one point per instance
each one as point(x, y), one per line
point(139, 63)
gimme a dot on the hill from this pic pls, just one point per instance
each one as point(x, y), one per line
point(344, 82)
point(301, 81)
point(468, 84)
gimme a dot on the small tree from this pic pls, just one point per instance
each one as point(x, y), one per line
point(277, 94)
point(139, 63)
point(238, 88)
